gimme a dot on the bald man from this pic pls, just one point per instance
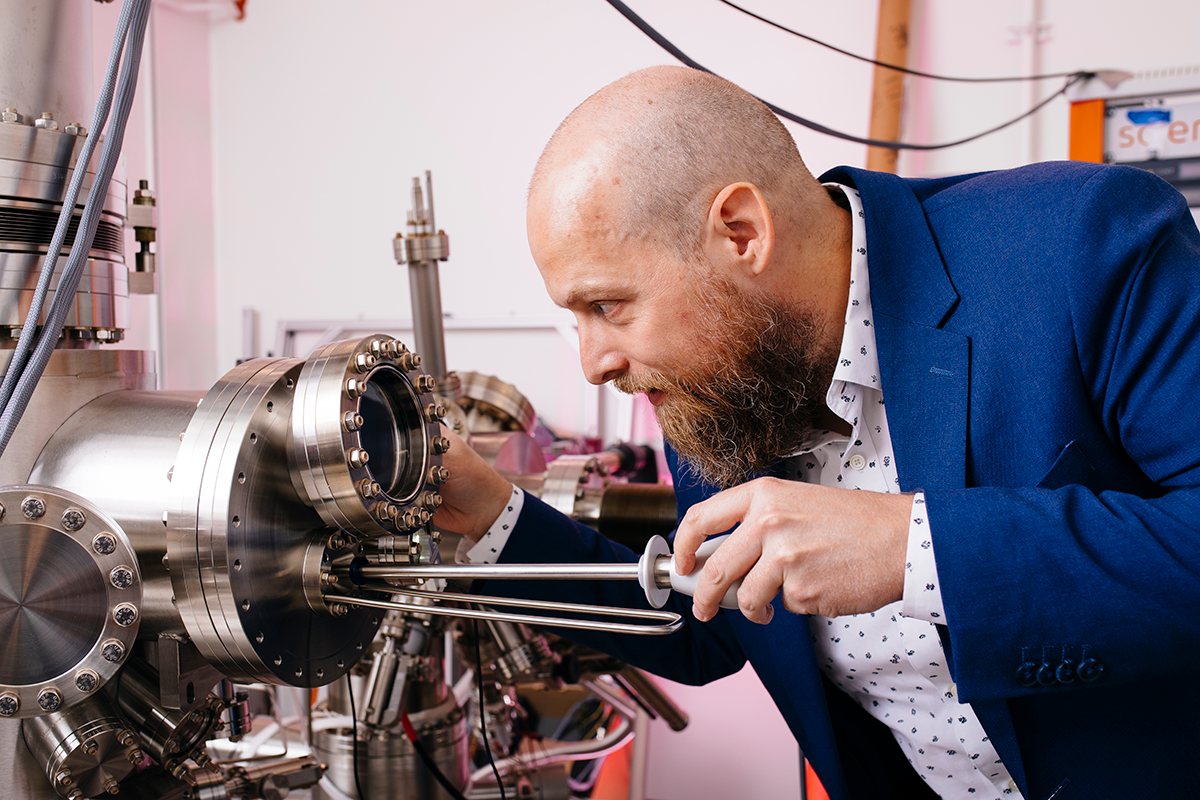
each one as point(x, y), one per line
point(948, 419)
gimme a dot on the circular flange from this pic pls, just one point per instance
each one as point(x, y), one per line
point(237, 535)
point(366, 443)
point(65, 622)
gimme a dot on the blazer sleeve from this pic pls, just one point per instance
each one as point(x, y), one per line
point(1071, 573)
point(697, 653)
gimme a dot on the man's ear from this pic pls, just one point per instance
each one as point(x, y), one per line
point(739, 231)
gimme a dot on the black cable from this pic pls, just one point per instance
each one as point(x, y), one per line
point(483, 710)
point(665, 44)
point(354, 737)
point(433, 768)
point(905, 70)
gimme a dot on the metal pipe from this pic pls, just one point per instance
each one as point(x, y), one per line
point(651, 693)
point(671, 621)
point(534, 572)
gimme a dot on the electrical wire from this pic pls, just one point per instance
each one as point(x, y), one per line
point(683, 57)
point(483, 711)
point(354, 737)
point(430, 764)
point(24, 379)
point(905, 70)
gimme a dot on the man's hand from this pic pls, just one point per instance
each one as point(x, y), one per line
point(474, 495)
point(831, 551)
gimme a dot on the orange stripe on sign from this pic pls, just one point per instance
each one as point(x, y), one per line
point(1087, 131)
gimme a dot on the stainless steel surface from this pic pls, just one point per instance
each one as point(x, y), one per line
point(494, 405)
point(566, 479)
point(648, 690)
point(669, 622)
point(73, 378)
point(363, 436)
point(513, 454)
point(120, 451)
point(86, 748)
point(532, 572)
point(388, 766)
point(47, 63)
point(66, 618)
point(421, 251)
point(238, 534)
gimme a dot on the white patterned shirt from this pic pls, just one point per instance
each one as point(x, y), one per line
point(891, 661)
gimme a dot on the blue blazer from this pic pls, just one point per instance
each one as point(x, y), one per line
point(1039, 341)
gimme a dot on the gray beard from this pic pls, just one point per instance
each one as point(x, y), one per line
point(769, 366)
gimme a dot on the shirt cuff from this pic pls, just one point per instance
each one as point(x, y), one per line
point(489, 547)
point(922, 592)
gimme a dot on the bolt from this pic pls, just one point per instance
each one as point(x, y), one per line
point(105, 543)
point(125, 614)
point(75, 795)
point(409, 360)
point(389, 348)
point(439, 445)
point(431, 500)
point(63, 778)
point(127, 738)
point(435, 535)
point(121, 577)
point(336, 542)
point(424, 516)
point(111, 786)
point(408, 520)
point(86, 680)
point(426, 383)
point(354, 388)
point(339, 609)
point(10, 115)
point(202, 760)
point(113, 651)
point(9, 704)
point(352, 421)
point(49, 700)
point(73, 519)
point(434, 412)
point(357, 457)
point(33, 507)
point(328, 578)
point(438, 475)
point(47, 121)
point(75, 129)
point(364, 361)
point(135, 757)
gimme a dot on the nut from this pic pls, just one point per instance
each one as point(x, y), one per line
point(76, 129)
point(11, 116)
point(438, 475)
point(47, 121)
point(364, 362)
point(356, 457)
point(352, 421)
point(439, 445)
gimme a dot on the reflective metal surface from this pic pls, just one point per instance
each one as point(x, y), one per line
point(47, 64)
point(238, 534)
point(86, 750)
point(365, 437)
point(70, 599)
point(493, 404)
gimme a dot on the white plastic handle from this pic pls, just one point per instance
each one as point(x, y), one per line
point(685, 584)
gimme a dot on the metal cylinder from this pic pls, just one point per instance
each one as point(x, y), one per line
point(171, 736)
point(47, 64)
point(86, 747)
point(119, 451)
point(388, 767)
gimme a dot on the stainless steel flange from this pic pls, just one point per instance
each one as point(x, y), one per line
point(70, 599)
point(238, 534)
point(366, 444)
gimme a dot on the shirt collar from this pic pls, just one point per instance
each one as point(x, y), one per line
point(858, 361)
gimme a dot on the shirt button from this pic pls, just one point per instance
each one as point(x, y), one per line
point(857, 461)
point(1012, 785)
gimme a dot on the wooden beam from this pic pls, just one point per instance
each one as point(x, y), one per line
point(887, 97)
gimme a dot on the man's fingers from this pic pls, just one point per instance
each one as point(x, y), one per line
point(715, 515)
point(758, 589)
point(735, 556)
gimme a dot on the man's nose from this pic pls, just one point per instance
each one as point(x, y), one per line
point(600, 360)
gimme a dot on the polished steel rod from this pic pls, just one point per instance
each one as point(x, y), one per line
point(671, 621)
point(530, 572)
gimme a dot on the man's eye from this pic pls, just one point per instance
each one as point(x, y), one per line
point(605, 308)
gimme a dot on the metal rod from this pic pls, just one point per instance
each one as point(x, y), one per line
point(672, 622)
point(532, 572)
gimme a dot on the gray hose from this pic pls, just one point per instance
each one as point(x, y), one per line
point(14, 408)
point(29, 331)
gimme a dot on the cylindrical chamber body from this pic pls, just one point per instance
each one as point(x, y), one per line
point(388, 766)
point(119, 451)
point(430, 339)
point(89, 739)
point(47, 64)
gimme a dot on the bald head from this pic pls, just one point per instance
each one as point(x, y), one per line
point(656, 147)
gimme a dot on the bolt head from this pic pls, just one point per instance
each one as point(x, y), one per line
point(49, 700)
point(105, 544)
point(46, 121)
point(86, 681)
point(9, 704)
point(357, 457)
point(33, 507)
point(125, 614)
point(10, 115)
point(352, 421)
point(121, 577)
point(113, 651)
point(73, 519)
point(364, 362)
point(75, 129)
